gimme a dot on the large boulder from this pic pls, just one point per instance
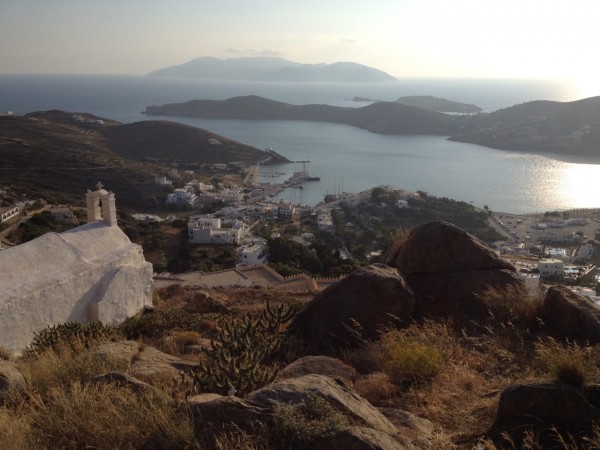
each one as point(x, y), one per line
point(297, 390)
point(449, 271)
point(571, 315)
point(548, 403)
point(366, 429)
point(319, 365)
point(223, 411)
point(359, 305)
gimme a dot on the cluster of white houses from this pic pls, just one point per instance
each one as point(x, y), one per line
point(196, 194)
point(214, 230)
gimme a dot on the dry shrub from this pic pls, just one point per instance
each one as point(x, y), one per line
point(175, 343)
point(399, 236)
point(512, 305)
point(375, 387)
point(409, 362)
point(238, 439)
point(365, 358)
point(60, 368)
point(108, 416)
point(15, 430)
point(5, 354)
point(298, 426)
point(569, 362)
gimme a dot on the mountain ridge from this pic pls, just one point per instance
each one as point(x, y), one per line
point(274, 69)
point(382, 117)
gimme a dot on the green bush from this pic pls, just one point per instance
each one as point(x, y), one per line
point(408, 362)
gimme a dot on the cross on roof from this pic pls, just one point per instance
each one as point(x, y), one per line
point(99, 185)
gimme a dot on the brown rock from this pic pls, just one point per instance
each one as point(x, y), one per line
point(419, 432)
point(440, 247)
point(461, 294)
point(550, 403)
point(222, 411)
point(146, 363)
point(123, 379)
point(319, 365)
point(371, 297)
point(571, 315)
point(363, 438)
point(347, 402)
point(449, 270)
point(150, 363)
point(11, 380)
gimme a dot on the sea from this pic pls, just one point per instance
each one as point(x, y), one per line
point(348, 159)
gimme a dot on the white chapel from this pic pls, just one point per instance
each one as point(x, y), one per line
point(92, 272)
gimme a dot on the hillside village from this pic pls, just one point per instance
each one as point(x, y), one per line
point(377, 319)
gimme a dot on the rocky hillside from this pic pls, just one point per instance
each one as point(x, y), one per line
point(383, 117)
point(545, 126)
point(58, 155)
point(439, 348)
point(540, 126)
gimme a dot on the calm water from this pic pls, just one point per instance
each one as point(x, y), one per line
point(347, 158)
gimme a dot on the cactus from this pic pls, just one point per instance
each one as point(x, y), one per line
point(245, 352)
point(153, 324)
point(70, 334)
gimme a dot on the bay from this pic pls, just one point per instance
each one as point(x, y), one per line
point(346, 158)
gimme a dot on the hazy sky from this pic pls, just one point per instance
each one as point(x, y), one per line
point(447, 38)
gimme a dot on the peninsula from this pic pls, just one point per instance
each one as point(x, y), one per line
point(570, 128)
point(56, 155)
point(381, 117)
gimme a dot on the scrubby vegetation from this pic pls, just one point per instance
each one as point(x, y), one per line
point(451, 375)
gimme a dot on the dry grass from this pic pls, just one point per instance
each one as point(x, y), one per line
point(568, 362)
point(376, 388)
point(59, 369)
point(107, 416)
point(63, 409)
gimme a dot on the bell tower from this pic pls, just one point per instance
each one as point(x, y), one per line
point(101, 206)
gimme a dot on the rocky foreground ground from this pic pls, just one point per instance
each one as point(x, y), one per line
point(440, 346)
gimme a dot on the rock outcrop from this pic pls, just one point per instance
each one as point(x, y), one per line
point(319, 365)
point(548, 404)
point(143, 362)
point(571, 315)
point(449, 270)
point(367, 427)
point(357, 306)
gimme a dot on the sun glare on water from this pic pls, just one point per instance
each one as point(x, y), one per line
point(579, 185)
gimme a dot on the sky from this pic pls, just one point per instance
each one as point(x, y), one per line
point(405, 38)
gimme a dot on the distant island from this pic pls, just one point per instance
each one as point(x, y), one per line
point(571, 128)
point(431, 103)
point(274, 70)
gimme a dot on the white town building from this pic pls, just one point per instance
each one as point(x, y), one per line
point(92, 272)
point(208, 230)
point(252, 253)
point(551, 268)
